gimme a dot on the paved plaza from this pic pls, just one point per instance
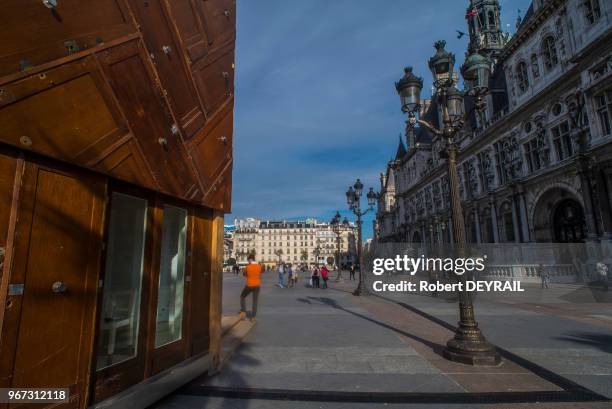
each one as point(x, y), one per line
point(325, 348)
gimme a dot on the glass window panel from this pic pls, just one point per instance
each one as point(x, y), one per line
point(171, 276)
point(120, 316)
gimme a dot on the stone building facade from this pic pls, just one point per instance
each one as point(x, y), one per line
point(537, 166)
point(294, 242)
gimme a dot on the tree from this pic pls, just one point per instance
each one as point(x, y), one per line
point(304, 255)
point(231, 261)
point(279, 253)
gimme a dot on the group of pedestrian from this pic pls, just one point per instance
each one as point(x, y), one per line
point(287, 275)
point(317, 274)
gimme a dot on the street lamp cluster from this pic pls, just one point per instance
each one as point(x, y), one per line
point(468, 345)
point(353, 199)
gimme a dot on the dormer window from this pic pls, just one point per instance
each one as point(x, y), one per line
point(549, 53)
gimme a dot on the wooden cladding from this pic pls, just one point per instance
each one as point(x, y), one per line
point(65, 113)
point(129, 88)
point(166, 55)
point(203, 25)
point(33, 34)
point(147, 117)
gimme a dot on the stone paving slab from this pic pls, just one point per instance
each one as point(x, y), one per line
point(337, 382)
point(328, 340)
point(304, 331)
point(202, 402)
point(576, 349)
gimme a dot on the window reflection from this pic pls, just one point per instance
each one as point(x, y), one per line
point(171, 276)
point(119, 320)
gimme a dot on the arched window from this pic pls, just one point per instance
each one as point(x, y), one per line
point(535, 67)
point(592, 11)
point(522, 77)
point(549, 52)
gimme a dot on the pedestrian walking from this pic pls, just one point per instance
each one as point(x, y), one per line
point(602, 271)
point(289, 276)
point(315, 277)
point(281, 276)
point(544, 276)
point(352, 272)
point(294, 277)
point(253, 281)
point(324, 275)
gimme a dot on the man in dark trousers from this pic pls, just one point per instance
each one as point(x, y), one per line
point(252, 273)
point(352, 272)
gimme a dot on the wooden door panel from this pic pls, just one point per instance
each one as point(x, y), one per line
point(60, 242)
point(66, 113)
point(201, 259)
point(220, 195)
point(221, 20)
point(214, 150)
point(143, 106)
point(189, 22)
point(215, 81)
point(166, 56)
point(170, 352)
point(33, 34)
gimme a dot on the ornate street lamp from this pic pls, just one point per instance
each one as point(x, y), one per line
point(337, 227)
point(407, 88)
point(476, 72)
point(353, 199)
point(468, 345)
point(442, 66)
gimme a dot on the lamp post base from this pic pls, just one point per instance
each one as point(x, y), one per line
point(361, 289)
point(470, 347)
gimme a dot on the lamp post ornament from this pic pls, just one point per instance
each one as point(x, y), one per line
point(468, 345)
point(353, 199)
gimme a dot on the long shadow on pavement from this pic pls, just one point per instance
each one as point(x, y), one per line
point(437, 348)
point(598, 340)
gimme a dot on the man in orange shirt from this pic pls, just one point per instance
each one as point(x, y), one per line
point(253, 280)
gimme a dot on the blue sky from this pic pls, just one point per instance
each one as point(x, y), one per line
point(315, 103)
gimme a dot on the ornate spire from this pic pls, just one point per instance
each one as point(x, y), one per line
point(484, 24)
